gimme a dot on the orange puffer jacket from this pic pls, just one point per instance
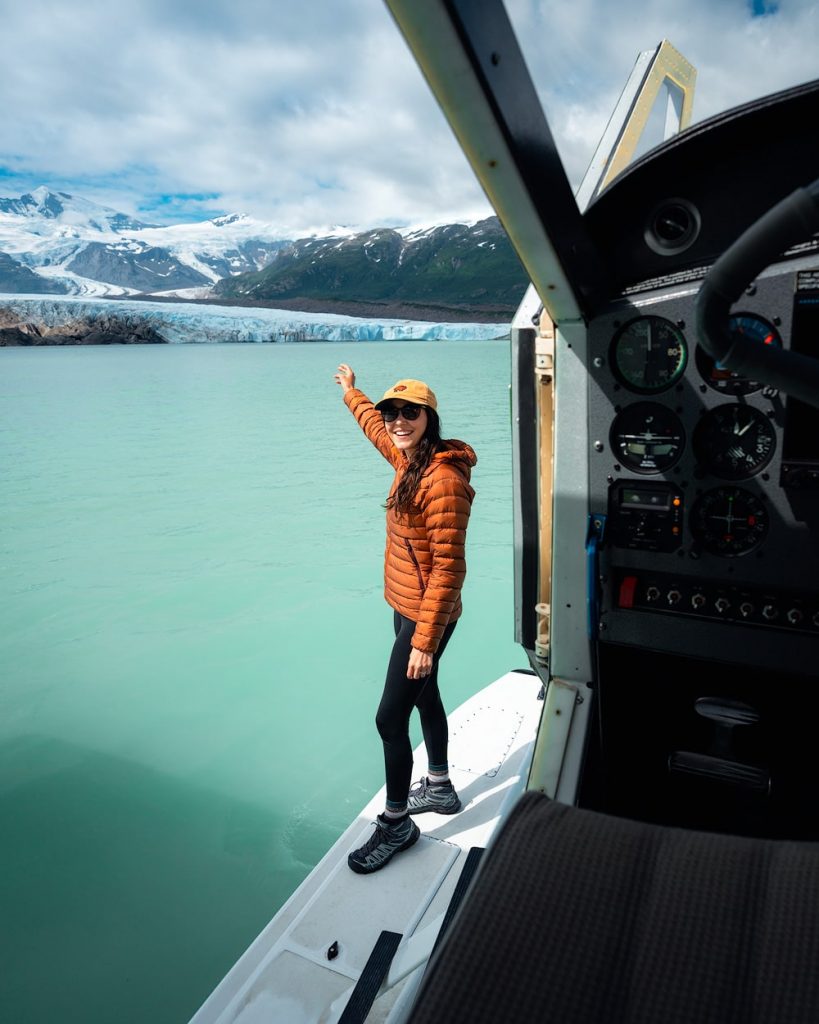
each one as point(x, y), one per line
point(424, 565)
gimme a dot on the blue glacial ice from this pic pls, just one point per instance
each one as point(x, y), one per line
point(187, 323)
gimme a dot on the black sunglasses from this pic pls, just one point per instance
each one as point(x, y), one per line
point(408, 412)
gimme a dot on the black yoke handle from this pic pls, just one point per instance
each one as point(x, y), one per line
point(795, 219)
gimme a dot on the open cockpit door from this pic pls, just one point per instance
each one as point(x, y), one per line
point(677, 466)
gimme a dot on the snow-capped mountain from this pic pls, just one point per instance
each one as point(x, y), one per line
point(54, 242)
point(42, 204)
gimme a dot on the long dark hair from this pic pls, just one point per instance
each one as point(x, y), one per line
point(403, 501)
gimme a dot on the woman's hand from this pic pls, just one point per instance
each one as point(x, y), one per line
point(420, 664)
point(345, 377)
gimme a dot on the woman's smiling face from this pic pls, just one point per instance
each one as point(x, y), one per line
point(406, 433)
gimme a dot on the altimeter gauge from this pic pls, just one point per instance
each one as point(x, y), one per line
point(729, 521)
point(734, 441)
point(649, 354)
point(647, 438)
point(744, 325)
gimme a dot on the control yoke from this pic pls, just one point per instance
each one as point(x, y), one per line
point(795, 219)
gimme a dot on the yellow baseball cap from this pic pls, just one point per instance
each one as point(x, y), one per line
point(415, 391)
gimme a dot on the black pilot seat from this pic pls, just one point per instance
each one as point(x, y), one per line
point(579, 916)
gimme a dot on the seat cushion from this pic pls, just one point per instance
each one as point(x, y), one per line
point(581, 916)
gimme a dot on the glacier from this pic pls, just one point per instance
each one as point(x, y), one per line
point(193, 323)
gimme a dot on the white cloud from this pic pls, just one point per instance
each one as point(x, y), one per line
point(310, 114)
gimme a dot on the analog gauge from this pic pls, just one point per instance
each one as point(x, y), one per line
point(647, 438)
point(746, 325)
point(729, 521)
point(649, 354)
point(734, 441)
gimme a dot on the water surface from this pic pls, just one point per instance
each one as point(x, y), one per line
point(194, 641)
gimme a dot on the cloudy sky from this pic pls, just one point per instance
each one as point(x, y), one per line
point(312, 113)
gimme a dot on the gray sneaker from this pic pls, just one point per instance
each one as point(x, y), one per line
point(425, 797)
point(383, 844)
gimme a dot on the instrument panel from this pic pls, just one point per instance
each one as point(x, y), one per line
point(708, 482)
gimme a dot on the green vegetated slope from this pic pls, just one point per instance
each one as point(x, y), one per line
point(456, 265)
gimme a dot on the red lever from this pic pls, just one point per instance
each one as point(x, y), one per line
point(628, 587)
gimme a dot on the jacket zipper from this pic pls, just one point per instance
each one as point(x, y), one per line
point(417, 566)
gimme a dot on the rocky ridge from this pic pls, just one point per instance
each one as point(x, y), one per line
point(104, 329)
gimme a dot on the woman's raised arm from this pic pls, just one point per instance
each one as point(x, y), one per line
point(367, 416)
point(345, 377)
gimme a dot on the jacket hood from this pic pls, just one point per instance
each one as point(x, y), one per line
point(458, 454)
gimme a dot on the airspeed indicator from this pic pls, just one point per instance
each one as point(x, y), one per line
point(649, 354)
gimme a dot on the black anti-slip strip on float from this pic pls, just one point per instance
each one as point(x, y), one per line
point(473, 859)
point(371, 979)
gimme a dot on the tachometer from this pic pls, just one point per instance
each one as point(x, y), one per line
point(734, 441)
point(729, 521)
point(647, 438)
point(649, 354)
point(747, 325)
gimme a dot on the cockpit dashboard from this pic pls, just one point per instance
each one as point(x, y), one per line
point(703, 491)
point(706, 482)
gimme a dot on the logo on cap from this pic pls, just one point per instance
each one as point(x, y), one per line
point(400, 387)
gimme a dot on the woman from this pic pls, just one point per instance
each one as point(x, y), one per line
point(427, 513)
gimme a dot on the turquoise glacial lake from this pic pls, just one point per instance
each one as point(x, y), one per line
point(193, 646)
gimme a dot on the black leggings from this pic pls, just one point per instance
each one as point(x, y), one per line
point(400, 696)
